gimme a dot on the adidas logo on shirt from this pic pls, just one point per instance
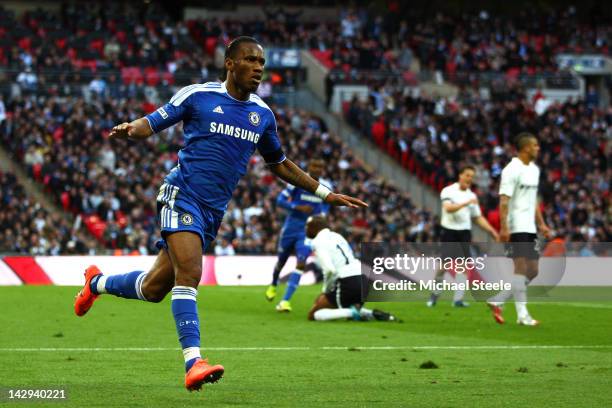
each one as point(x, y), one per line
point(218, 109)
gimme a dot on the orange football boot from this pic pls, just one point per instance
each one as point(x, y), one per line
point(85, 298)
point(200, 373)
point(496, 311)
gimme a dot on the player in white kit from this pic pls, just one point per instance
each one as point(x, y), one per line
point(343, 284)
point(459, 208)
point(519, 215)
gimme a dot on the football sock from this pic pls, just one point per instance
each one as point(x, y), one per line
point(438, 281)
point(292, 283)
point(127, 285)
point(366, 314)
point(185, 311)
point(460, 278)
point(276, 274)
point(499, 298)
point(519, 289)
point(333, 314)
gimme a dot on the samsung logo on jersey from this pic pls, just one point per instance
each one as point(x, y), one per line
point(234, 131)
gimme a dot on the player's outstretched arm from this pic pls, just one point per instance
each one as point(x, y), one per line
point(137, 129)
point(292, 174)
point(484, 224)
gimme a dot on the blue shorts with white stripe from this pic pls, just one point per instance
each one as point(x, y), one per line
point(177, 211)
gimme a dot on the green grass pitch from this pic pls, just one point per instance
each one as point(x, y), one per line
point(283, 360)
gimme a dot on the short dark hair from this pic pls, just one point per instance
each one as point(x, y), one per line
point(522, 139)
point(232, 49)
point(467, 167)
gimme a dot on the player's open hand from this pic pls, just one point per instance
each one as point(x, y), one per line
point(546, 231)
point(504, 235)
point(122, 131)
point(342, 200)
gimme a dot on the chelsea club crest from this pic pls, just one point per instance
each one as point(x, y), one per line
point(254, 118)
point(187, 219)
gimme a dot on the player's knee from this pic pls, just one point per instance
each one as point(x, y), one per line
point(532, 274)
point(188, 276)
point(154, 292)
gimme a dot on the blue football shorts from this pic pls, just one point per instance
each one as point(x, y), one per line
point(297, 243)
point(178, 211)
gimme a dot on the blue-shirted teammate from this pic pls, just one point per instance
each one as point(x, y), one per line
point(223, 125)
point(300, 205)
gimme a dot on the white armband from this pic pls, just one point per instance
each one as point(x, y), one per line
point(322, 192)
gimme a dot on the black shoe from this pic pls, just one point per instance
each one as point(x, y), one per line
point(383, 316)
point(433, 299)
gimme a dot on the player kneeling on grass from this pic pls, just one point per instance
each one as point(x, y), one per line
point(342, 293)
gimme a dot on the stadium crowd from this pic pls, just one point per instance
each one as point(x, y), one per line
point(143, 43)
point(433, 137)
point(63, 145)
point(25, 227)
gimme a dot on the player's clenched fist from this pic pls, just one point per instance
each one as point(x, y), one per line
point(122, 131)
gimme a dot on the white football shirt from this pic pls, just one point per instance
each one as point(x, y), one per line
point(460, 219)
point(520, 182)
point(335, 256)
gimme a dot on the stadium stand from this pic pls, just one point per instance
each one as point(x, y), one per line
point(62, 143)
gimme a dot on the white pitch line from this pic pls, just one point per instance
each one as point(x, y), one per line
point(331, 348)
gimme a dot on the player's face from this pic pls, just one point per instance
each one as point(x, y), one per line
point(247, 67)
point(533, 148)
point(465, 178)
point(315, 168)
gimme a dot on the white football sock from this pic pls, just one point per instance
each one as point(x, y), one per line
point(460, 278)
point(519, 288)
point(100, 284)
point(366, 314)
point(191, 352)
point(501, 296)
point(333, 314)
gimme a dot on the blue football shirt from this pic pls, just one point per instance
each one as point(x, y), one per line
point(291, 197)
point(221, 134)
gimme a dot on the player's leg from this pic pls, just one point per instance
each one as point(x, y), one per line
point(519, 287)
point(321, 303)
point(149, 286)
point(302, 251)
point(160, 279)
point(345, 302)
point(447, 246)
point(461, 275)
point(284, 251)
point(352, 290)
point(185, 251)
point(436, 293)
point(496, 302)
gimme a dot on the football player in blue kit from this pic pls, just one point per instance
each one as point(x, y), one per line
point(300, 205)
point(223, 125)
